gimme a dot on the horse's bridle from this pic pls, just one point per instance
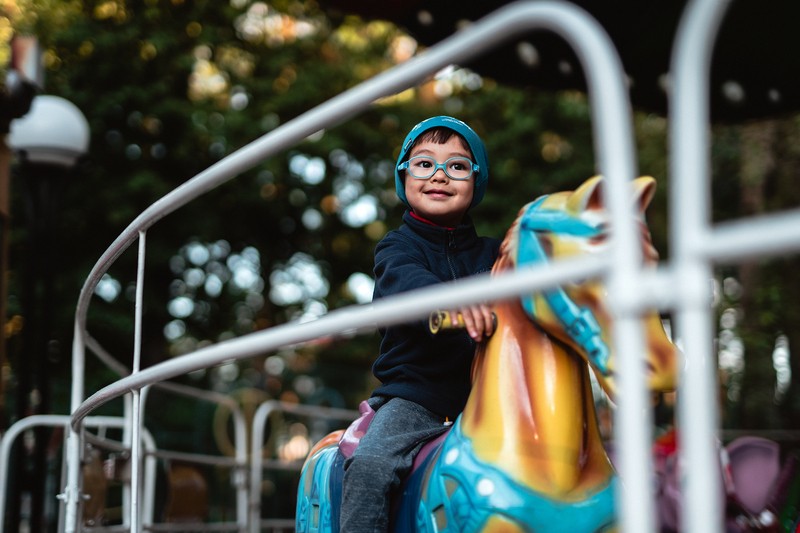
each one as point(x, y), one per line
point(579, 323)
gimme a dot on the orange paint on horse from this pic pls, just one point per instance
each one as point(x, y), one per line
point(531, 412)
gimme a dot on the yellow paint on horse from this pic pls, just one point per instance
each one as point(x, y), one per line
point(531, 411)
point(534, 412)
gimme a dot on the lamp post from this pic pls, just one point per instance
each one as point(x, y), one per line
point(48, 142)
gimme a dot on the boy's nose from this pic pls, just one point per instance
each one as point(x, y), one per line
point(440, 174)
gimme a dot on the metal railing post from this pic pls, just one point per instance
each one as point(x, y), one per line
point(136, 411)
point(690, 229)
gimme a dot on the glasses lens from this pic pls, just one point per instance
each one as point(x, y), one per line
point(422, 167)
point(458, 168)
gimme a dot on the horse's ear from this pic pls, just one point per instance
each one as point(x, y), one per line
point(590, 194)
point(644, 188)
point(587, 196)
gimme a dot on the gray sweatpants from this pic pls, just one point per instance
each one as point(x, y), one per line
point(381, 461)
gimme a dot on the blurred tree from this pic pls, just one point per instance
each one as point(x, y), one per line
point(757, 174)
point(170, 87)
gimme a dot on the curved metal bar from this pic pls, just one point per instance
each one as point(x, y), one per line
point(7, 441)
point(19, 427)
point(605, 77)
point(239, 423)
point(239, 433)
point(387, 311)
point(390, 310)
point(612, 126)
point(257, 441)
point(756, 236)
point(690, 227)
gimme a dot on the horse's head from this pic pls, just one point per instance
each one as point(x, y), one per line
point(568, 224)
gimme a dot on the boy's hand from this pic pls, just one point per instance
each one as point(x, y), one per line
point(478, 320)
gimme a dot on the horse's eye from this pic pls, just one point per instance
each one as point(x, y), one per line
point(598, 239)
point(601, 236)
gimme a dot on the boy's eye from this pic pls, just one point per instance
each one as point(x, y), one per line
point(458, 165)
point(423, 163)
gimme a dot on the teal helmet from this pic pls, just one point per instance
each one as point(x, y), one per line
point(474, 142)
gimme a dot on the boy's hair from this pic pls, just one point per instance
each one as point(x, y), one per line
point(438, 135)
point(439, 130)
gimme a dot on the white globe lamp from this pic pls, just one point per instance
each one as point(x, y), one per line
point(53, 132)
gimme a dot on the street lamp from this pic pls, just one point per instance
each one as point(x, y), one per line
point(54, 132)
point(48, 142)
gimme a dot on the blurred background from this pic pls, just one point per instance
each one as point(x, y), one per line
point(169, 87)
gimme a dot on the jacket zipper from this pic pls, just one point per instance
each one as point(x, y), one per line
point(451, 245)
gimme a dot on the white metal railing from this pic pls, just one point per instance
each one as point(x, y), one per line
point(240, 461)
point(63, 421)
point(695, 247)
point(683, 286)
point(689, 221)
point(257, 465)
point(612, 125)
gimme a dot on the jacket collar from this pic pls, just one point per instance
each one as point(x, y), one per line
point(459, 236)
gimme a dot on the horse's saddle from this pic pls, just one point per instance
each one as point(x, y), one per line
point(325, 489)
point(461, 492)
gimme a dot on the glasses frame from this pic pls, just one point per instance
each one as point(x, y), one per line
point(474, 167)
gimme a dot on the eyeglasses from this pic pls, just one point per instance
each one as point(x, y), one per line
point(422, 167)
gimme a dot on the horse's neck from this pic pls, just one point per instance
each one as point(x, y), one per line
point(531, 412)
point(521, 380)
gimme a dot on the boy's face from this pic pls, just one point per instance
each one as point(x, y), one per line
point(440, 199)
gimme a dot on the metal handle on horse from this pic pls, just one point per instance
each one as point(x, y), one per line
point(440, 320)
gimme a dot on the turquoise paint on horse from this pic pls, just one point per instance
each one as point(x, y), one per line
point(526, 454)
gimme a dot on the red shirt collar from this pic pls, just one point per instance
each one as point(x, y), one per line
point(426, 221)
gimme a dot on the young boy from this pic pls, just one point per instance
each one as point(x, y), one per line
point(441, 173)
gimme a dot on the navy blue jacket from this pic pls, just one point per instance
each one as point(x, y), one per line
point(433, 371)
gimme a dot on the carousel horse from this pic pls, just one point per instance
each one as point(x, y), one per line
point(526, 454)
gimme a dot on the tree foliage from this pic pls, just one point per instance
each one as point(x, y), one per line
point(172, 86)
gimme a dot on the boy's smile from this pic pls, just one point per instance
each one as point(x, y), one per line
point(440, 199)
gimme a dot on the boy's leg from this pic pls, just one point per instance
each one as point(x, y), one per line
point(383, 457)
